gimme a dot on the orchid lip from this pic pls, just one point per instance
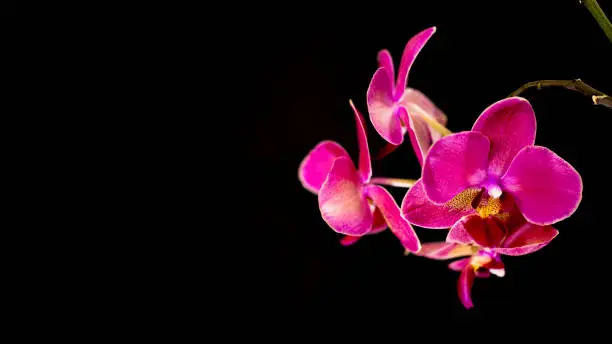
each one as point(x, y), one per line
point(493, 188)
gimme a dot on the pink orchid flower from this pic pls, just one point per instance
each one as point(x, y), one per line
point(349, 202)
point(472, 172)
point(395, 109)
point(485, 240)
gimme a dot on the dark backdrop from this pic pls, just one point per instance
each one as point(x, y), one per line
point(303, 64)
point(7, 7)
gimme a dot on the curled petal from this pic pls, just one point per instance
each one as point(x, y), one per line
point(348, 240)
point(458, 233)
point(527, 239)
point(365, 166)
point(419, 134)
point(391, 212)
point(316, 165)
point(419, 104)
point(420, 211)
point(464, 286)
point(382, 108)
point(458, 265)
point(510, 125)
point(386, 150)
point(442, 250)
point(386, 61)
point(546, 188)
point(485, 232)
point(412, 49)
point(455, 163)
point(379, 223)
point(342, 201)
point(483, 274)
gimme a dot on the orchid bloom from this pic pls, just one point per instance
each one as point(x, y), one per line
point(349, 202)
point(485, 240)
point(472, 172)
point(395, 109)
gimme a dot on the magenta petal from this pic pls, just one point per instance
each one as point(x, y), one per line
point(442, 250)
point(483, 274)
point(386, 150)
point(379, 223)
point(419, 134)
point(510, 125)
point(464, 286)
point(420, 211)
point(412, 49)
point(381, 108)
point(458, 233)
point(527, 239)
point(455, 163)
point(546, 188)
point(348, 240)
point(418, 103)
point(365, 166)
point(386, 61)
point(342, 200)
point(485, 232)
point(398, 225)
point(316, 165)
point(458, 265)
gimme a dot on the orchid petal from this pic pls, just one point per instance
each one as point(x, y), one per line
point(458, 234)
point(546, 188)
point(455, 163)
point(379, 223)
point(348, 240)
point(316, 165)
point(342, 201)
point(382, 108)
point(458, 265)
point(386, 61)
point(418, 103)
point(527, 239)
point(386, 150)
point(412, 49)
point(420, 211)
point(365, 166)
point(442, 250)
point(483, 274)
point(397, 224)
point(510, 125)
point(419, 134)
point(485, 232)
point(464, 286)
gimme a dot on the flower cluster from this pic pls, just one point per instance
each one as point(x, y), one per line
point(495, 190)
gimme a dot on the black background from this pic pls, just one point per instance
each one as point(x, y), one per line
point(7, 7)
point(303, 64)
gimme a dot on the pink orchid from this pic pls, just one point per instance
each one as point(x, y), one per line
point(472, 172)
point(395, 109)
point(485, 240)
point(349, 202)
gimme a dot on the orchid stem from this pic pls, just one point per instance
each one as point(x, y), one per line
point(598, 97)
point(437, 126)
point(397, 182)
point(600, 16)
